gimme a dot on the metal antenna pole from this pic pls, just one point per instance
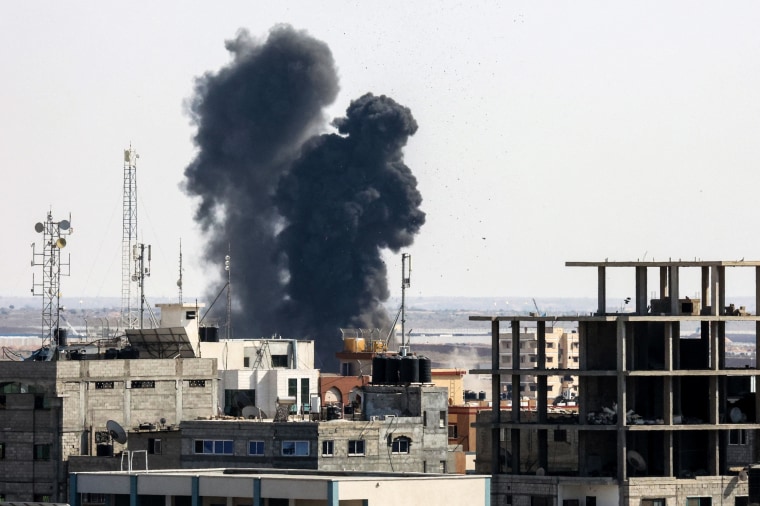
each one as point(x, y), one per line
point(405, 278)
point(229, 295)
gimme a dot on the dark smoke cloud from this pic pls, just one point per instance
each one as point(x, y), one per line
point(306, 216)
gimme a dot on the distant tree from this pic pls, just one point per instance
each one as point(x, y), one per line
point(12, 306)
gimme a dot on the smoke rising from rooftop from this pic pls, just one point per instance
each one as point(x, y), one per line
point(304, 214)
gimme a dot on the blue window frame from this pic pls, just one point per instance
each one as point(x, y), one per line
point(295, 448)
point(255, 447)
point(214, 446)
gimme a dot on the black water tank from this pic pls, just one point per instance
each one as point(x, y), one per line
point(410, 369)
point(754, 484)
point(426, 370)
point(208, 334)
point(393, 370)
point(378, 370)
point(481, 396)
point(60, 337)
point(111, 353)
point(470, 395)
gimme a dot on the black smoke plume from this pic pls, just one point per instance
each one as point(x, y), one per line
point(304, 216)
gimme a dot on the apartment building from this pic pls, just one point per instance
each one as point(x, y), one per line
point(661, 419)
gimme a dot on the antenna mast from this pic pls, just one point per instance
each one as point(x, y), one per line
point(405, 283)
point(49, 258)
point(141, 272)
point(179, 281)
point(229, 295)
point(129, 235)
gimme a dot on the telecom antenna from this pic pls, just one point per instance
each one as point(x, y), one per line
point(53, 241)
point(128, 238)
point(406, 273)
point(141, 257)
point(229, 295)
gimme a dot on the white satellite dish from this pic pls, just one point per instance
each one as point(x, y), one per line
point(116, 431)
point(636, 461)
point(743, 475)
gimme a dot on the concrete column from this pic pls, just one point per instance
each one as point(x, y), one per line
point(721, 289)
point(133, 490)
point(621, 400)
point(757, 341)
point(195, 487)
point(542, 379)
point(715, 291)
point(332, 493)
point(602, 290)
point(495, 398)
point(73, 492)
point(257, 500)
point(706, 295)
point(516, 392)
point(667, 408)
point(675, 307)
point(664, 291)
point(641, 289)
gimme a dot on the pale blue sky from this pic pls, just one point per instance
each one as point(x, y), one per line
point(548, 131)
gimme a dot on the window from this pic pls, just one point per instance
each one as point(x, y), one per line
point(198, 383)
point(737, 437)
point(255, 447)
point(41, 402)
point(292, 387)
point(154, 446)
point(653, 502)
point(295, 448)
point(143, 384)
point(533, 388)
point(2, 451)
point(189, 315)
point(2, 402)
point(41, 452)
point(328, 448)
point(279, 360)
point(550, 345)
point(246, 361)
point(452, 431)
point(214, 446)
point(550, 359)
point(400, 445)
point(441, 419)
point(305, 393)
point(356, 447)
point(104, 385)
point(699, 501)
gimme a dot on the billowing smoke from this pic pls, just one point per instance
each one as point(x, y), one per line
point(303, 214)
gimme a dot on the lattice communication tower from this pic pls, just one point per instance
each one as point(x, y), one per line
point(129, 311)
point(53, 241)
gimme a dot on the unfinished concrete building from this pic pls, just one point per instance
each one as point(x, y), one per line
point(661, 419)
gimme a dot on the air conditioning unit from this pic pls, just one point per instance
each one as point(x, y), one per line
point(373, 418)
point(390, 417)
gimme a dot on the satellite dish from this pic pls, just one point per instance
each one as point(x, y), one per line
point(64, 224)
point(743, 475)
point(636, 461)
point(116, 432)
point(60, 243)
point(540, 471)
point(163, 421)
point(39, 227)
point(735, 414)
